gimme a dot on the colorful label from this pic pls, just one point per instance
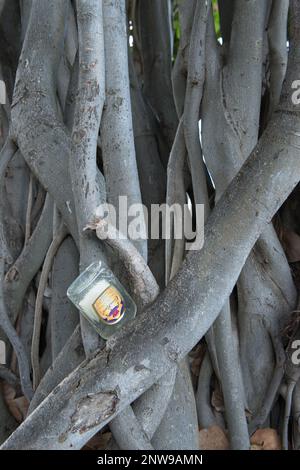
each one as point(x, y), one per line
point(109, 306)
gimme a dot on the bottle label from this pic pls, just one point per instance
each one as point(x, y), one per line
point(109, 306)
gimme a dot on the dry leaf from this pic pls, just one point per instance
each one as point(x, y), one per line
point(213, 438)
point(291, 244)
point(18, 407)
point(217, 400)
point(255, 447)
point(265, 439)
point(98, 442)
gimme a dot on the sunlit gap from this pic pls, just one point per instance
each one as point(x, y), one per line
point(203, 157)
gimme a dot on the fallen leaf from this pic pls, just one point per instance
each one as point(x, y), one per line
point(265, 439)
point(18, 407)
point(255, 447)
point(291, 245)
point(98, 442)
point(213, 438)
point(217, 400)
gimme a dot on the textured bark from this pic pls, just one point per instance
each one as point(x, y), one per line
point(140, 98)
point(117, 140)
point(164, 345)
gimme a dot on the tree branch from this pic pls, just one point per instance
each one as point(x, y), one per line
point(182, 314)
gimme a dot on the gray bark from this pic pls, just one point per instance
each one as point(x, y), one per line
point(99, 104)
point(70, 426)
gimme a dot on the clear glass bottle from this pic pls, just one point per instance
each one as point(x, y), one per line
point(102, 299)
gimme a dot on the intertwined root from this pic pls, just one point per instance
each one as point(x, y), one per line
point(87, 120)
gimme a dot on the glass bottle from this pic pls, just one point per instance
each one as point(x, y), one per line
point(102, 299)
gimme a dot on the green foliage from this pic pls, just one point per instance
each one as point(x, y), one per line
point(176, 27)
point(176, 23)
point(216, 17)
